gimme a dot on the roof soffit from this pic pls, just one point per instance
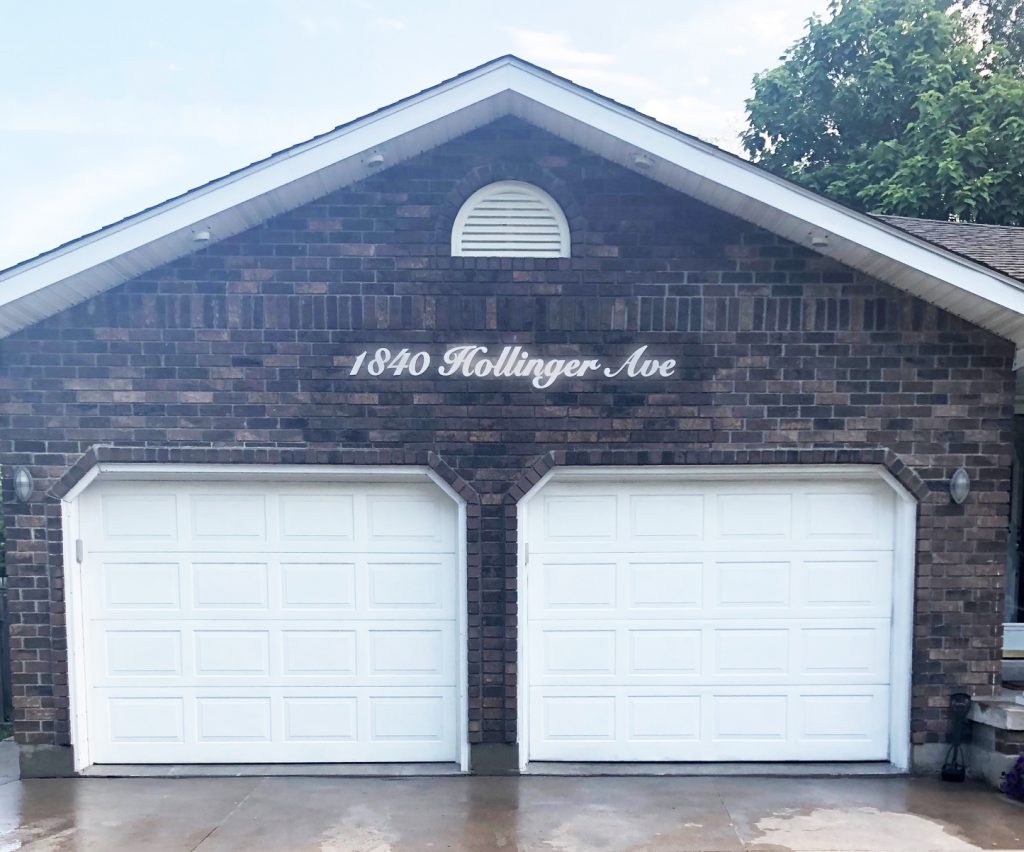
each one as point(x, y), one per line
point(83, 268)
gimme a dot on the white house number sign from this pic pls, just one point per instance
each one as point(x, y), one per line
point(477, 362)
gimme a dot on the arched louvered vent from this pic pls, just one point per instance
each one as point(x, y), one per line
point(510, 219)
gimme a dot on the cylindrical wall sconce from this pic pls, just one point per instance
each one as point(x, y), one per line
point(959, 485)
point(22, 484)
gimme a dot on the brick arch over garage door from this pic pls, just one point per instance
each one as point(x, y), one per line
point(826, 664)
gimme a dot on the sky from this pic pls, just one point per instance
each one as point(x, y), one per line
point(110, 106)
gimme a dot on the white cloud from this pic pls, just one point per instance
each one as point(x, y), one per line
point(588, 68)
point(554, 50)
point(595, 78)
point(396, 24)
point(141, 121)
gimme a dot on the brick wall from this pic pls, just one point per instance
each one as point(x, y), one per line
point(785, 356)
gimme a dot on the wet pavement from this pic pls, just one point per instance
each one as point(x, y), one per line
point(382, 815)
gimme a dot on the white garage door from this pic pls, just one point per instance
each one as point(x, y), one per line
point(269, 623)
point(708, 621)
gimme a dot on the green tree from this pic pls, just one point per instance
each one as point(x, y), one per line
point(908, 107)
point(1001, 23)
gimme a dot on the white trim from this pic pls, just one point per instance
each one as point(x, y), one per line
point(904, 567)
point(462, 558)
point(522, 613)
point(273, 472)
point(81, 485)
point(104, 472)
point(901, 661)
point(76, 631)
point(721, 472)
point(163, 471)
point(737, 186)
point(505, 86)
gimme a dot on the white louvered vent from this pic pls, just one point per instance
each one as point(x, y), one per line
point(510, 219)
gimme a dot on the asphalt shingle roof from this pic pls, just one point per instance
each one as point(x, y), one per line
point(1000, 247)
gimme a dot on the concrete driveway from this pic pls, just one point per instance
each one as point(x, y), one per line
point(376, 815)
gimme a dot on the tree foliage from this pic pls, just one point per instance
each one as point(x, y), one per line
point(1001, 23)
point(908, 107)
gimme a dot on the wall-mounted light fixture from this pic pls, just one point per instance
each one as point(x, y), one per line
point(201, 236)
point(959, 485)
point(22, 484)
point(374, 160)
point(819, 240)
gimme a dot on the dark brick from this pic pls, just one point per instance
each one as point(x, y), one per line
point(240, 354)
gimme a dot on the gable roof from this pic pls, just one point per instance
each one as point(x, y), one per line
point(1000, 247)
point(78, 270)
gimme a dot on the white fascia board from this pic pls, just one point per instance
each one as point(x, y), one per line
point(97, 256)
point(761, 187)
point(206, 202)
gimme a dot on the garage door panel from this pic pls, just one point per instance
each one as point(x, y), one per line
point(675, 649)
point(144, 652)
point(304, 517)
point(750, 718)
point(233, 718)
point(666, 517)
point(217, 518)
point(760, 514)
point(326, 584)
point(845, 583)
point(220, 584)
point(137, 584)
point(664, 586)
point(751, 651)
point(132, 518)
point(741, 723)
point(174, 653)
point(853, 651)
point(574, 517)
point(572, 652)
point(270, 623)
point(729, 620)
point(819, 584)
point(416, 522)
point(576, 585)
point(706, 651)
point(845, 722)
point(231, 653)
point(407, 718)
point(405, 586)
point(357, 586)
point(844, 514)
point(274, 725)
point(657, 719)
point(410, 652)
point(224, 517)
point(574, 719)
point(751, 584)
point(319, 653)
point(321, 718)
point(143, 719)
